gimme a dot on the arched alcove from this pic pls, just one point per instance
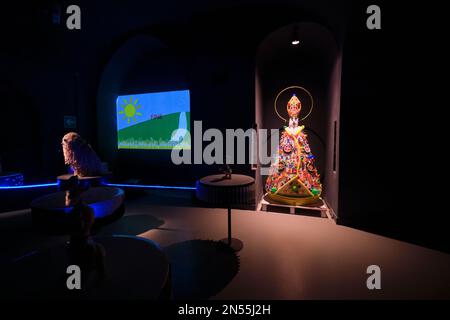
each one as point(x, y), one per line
point(142, 64)
point(315, 64)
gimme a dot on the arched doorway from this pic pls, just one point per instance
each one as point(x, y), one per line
point(315, 64)
point(142, 64)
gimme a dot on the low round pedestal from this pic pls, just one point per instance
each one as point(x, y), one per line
point(218, 190)
point(51, 213)
point(86, 182)
point(134, 269)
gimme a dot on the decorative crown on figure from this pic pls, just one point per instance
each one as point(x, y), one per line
point(294, 106)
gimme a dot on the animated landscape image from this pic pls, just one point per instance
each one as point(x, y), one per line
point(154, 121)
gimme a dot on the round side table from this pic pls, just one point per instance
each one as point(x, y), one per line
point(228, 192)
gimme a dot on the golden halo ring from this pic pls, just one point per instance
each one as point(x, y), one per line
point(292, 87)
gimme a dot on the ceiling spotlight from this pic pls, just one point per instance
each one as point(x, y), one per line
point(295, 37)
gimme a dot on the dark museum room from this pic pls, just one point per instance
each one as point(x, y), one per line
point(220, 150)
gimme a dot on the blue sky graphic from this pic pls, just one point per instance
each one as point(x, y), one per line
point(152, 104)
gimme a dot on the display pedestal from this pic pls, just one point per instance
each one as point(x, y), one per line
point(50, 212)
point(321, 206)
point(86, 182)
point(218, 190)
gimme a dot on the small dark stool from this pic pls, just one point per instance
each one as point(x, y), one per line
point(135, 269)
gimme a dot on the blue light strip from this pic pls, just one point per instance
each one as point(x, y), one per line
point(143, 186)
point(42, 185)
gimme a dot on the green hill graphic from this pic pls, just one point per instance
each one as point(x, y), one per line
point(168, 132)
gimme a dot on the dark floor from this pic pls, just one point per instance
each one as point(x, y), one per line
point(284, 256)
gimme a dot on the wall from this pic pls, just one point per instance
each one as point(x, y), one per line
point(333, 125)
point(144, 64)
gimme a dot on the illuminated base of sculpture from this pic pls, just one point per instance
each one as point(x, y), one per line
point(267, 203)
point(293, 201)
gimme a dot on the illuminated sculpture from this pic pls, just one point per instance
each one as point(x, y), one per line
point(80, 156)
point(293, 178)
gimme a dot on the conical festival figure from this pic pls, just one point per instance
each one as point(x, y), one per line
point(294, 179)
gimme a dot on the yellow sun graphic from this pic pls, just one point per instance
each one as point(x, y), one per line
point(130, 110)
